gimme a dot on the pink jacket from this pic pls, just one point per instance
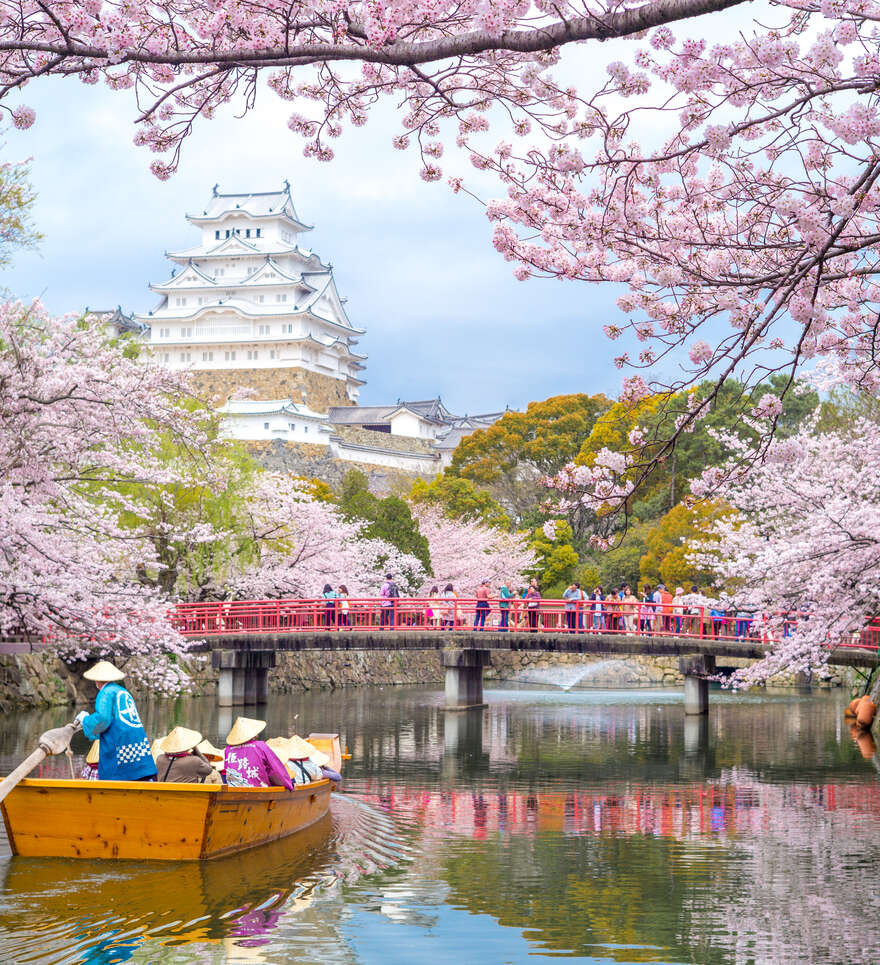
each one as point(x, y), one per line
point(254, 764)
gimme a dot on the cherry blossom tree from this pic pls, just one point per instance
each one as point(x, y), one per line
point(745, 230)
point(466, 552)
point(79, 421)
point(304, 542)
point(805, 536)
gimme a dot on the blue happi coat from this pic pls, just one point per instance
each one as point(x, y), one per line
point(124, 749)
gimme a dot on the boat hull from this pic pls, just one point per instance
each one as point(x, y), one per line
point(154, 821)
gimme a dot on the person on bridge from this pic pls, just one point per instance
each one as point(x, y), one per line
point(504, 606)
point(330, 595)
point(597, 599)
point(343, 606)
point(250, 762)
point(124, 751)
point(646, 610)
point(482, 611)
point(390, 595)
point(533, 604)
point(629, 607)
point(572, 597)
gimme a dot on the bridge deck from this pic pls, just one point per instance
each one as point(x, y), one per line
point(587, 643)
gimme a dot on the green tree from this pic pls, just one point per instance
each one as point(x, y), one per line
point(510, 457)
point(459, 498)
point(557, 559)
point(666, 557)
point(389, 518)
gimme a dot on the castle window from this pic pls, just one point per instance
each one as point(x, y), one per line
point(180, 302)
point(166, 357)
point(207, 356)
point(264, 329)
point(220, 271)
point(291, 426)
point(247, 232)
point(305, 428)
point(272, 353)
point(185, 357)
point(281, 298)
point(217, 233)
point(265, 425)
point(258, 232)
point(260, 299)
point(186, 333)
point(227, 232)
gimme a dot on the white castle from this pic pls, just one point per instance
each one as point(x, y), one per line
point(249, 297)
point(249, 309)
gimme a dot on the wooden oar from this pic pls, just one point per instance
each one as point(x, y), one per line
point(55, 741)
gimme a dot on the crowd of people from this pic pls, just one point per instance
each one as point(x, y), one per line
point(121, 750)
point(617, 610)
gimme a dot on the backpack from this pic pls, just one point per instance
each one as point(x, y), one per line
point(392, 589)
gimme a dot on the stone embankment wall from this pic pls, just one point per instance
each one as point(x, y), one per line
point(314, 462)
point(42, 680)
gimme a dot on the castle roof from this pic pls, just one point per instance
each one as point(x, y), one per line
point(269, 407)
point(255, 204)
point(431, 410)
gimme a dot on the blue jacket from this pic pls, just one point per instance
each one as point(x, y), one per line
point(124, 749)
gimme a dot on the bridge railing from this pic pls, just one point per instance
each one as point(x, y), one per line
point(444, 616)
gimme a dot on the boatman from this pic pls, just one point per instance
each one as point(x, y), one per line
point(124, 749)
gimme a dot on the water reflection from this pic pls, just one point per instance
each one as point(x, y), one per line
point(590, 825)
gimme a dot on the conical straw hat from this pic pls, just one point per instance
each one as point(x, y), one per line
point(104, 672)
point(280, 746)
point(92, 756)
point(319, 757)
point(300, 749)
point(180, 739)
point(207, 749)
point(244, 729)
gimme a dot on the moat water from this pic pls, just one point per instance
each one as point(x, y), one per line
point(596, 826)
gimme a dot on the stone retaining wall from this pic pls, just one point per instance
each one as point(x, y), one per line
point(315, 462)
point(41, 679)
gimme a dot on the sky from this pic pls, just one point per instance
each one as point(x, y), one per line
point(442, 311)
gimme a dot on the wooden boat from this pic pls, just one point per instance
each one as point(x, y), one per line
point(156, 821)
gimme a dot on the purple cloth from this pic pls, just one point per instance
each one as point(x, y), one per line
point(254, 764)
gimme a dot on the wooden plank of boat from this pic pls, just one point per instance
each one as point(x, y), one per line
point(154, 821)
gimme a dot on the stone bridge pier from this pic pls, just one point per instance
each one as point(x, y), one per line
point(464, 677)
point(696, 670)
point(243, 676)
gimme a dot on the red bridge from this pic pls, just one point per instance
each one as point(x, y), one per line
point(246, 636)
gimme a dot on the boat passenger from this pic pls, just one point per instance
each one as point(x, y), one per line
point(250, 762)
point(215, 757)
point(180, 763)
point(124, 753)
point(90, 768)
point(297, 755)
point(322, 760)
